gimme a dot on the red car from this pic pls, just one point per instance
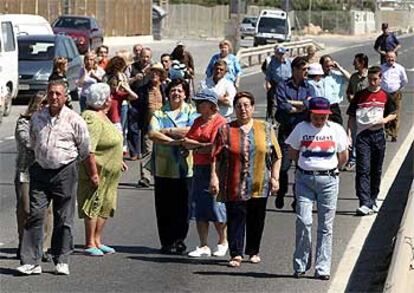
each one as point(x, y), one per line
point(84, 30)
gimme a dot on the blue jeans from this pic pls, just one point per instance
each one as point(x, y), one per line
point(324, 190)
point(124, 121)
point(370, 149)
point(134, 132)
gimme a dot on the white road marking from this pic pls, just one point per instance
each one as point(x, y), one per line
point(410, 70)
point(354, 247)
point(7, 138)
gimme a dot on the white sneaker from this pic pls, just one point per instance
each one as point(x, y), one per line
point(364, 211)
point(375, 208)
point(29, 269)
point(62, 269)
point(221, 250)
point(200, 251)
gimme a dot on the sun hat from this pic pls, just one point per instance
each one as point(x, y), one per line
point(315, 69)
point(319, 105)
point(281, 50)
point(206, 95)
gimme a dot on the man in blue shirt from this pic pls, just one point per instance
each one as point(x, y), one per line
point(278, 70)
point(386, 42)
point(292, 97)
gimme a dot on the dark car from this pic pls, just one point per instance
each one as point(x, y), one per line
point(84, 30)
point(36, 54)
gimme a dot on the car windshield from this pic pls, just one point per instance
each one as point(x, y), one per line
point(250, 20)
point(73, 23)
point(272, 25)
point(36, 50)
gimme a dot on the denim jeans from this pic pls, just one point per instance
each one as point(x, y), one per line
point(323, 190)
point(124, 121)
point(370, 148)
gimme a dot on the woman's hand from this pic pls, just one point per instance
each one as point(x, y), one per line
point(124, 167)
point(95, 180)
point(214, 185)
point(274, 186)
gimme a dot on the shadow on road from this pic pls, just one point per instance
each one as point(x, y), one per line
point(250, 274)
point(181, 260)
point(371, 269)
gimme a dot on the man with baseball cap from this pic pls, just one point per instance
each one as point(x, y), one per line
point(278, 70)
point(319, 147)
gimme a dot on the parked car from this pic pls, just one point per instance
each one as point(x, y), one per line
point(36, 54)
point(29, 24)
point(8, 66)
point(84, 30)
point(248, 26)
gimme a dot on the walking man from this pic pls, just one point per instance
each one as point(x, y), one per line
point(292, 96)
point(278, 70)
point(59, 137)
point(386, 42)
point(370, 109)
point(357, 82)
point(394, 78)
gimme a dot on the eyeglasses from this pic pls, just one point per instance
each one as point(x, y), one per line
point(103, 52)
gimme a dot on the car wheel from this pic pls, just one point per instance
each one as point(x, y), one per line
point(7, 103)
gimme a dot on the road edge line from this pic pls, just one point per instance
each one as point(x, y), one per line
point(355, 245)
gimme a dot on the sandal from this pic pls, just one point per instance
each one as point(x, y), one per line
point(235, 262)
point(255, 259)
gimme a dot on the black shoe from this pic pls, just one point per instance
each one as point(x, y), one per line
point(144, 182)
point(46, 257)
point(280, 201)
point(322, 277)
point(393, 139)
point(298, 275)
point(180, 247)
point(168, 249)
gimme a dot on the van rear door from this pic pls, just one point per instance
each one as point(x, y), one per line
point(8, 57)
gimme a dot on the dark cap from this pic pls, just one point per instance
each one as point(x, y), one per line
point(319, 106)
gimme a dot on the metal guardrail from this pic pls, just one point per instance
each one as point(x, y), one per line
point(256, 55)
point(401, 272)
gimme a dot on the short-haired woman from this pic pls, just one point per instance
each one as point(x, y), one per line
point(245, 171)
point(97, 191)
point(233, 64)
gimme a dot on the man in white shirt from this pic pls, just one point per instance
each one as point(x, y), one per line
point(394, 78)
point(222, 87)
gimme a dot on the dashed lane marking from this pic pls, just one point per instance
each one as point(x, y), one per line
point(354, 247)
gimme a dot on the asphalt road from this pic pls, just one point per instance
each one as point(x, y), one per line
point(139, 267)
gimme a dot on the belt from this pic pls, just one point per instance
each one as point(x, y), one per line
point(332, 172)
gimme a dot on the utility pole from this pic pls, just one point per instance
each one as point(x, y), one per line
point(237, 9)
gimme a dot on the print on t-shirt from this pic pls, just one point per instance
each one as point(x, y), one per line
point(319, 146)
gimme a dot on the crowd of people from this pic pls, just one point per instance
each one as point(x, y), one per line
point(203, 143)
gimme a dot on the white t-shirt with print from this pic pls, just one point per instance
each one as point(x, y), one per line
point(318, 147)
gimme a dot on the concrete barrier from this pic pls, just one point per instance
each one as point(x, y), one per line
point(256, 55)
point(401, 272)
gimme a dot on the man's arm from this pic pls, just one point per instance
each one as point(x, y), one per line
point(293, 154)
point(342, 158)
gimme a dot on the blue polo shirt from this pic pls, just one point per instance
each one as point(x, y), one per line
point(386, 42)
point(287, 90)
point(277, 71)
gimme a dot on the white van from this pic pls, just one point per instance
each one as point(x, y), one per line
point(273, 26)
point(29, 24)
point(9, 78)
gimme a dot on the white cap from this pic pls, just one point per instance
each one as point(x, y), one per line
point(315, 69)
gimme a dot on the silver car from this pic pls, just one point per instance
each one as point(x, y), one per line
point(248, 26)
